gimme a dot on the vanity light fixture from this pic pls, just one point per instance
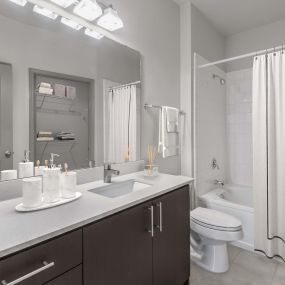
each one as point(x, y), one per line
point(45, 12)
point(19, 2)
point(64, 3)
point(93, 34)
point(88, 9)
point(110, 20)
point(71, 24)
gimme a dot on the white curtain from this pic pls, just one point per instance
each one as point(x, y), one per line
point(269, 153)
point(122, 131)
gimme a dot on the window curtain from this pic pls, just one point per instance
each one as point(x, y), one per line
point(122, 136)
point(269, 153)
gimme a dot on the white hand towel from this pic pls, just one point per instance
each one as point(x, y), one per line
point(168, 143)
point(172, 116)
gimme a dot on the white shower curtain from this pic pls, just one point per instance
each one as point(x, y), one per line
point(122, 131)
point(269, 153)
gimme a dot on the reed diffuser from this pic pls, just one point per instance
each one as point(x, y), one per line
point(151, 169)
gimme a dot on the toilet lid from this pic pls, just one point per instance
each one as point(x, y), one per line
point(214, 218)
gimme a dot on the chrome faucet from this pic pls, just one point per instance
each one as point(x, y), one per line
point(109, 172)
point(219, 182)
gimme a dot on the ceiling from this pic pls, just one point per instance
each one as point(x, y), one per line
point(234, 16)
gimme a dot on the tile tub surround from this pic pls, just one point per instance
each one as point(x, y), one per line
point(19, 231)
point(239, 127)
point(246, 268)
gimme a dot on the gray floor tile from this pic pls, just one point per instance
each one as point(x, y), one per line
point(247, 268)
point(234, 251)
point(200, 276)
point(279, 277)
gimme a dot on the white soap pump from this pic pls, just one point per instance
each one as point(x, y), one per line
point(26, 167)
point(51, 176)
point(51, 161)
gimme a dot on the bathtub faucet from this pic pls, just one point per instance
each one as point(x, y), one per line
point(219, 182)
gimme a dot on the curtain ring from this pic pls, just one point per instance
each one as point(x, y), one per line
point(282, 50)
point(274, 51)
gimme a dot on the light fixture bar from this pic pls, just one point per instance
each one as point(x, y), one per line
point(72, 24)
point(44, 12)
point(19, 2)
point(64, 3)
point(93, 34)
point(64, 13)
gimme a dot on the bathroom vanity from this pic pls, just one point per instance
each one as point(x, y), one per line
point(138, 238)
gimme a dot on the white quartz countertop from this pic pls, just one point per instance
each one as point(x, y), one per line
point(22, 230)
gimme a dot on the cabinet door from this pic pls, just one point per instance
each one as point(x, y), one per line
point(72, 277)
point(118, 250)
point(171, 243)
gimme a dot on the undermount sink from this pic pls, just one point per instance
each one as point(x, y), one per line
point(117, 189)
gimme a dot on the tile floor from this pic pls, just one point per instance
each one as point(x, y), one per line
point(247, 268)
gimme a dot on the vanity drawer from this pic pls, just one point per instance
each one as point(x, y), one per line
point(44, 262)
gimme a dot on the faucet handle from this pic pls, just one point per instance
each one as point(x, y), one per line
point(107, 165)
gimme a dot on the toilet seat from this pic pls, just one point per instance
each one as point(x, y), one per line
point(215, 220)
point(215, 225)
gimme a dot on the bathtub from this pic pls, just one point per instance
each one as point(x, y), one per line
point(238, 202)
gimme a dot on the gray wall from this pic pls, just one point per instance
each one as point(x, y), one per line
point(253, 40)
point(206, 40)
point(153, 28)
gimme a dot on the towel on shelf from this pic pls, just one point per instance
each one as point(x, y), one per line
point(168, 142)
point(70, 92)
point(172, 117)
point(67, 136)
point(45, 88)
point(45, 136)
point(59, 90)
point(45, 139)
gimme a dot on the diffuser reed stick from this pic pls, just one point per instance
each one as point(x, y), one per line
point(151, 153)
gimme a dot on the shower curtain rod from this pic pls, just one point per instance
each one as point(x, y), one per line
point(242, 56)
point(125, 85)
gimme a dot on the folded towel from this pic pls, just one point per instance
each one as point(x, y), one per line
point(172, 117)
point(45, 84)
point(59, 90)
point(168, 144)
point(46, 91)
point(45, 134)
point(70, 92)
point(45, 139)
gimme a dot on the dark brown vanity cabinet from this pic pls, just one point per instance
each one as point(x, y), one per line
point(145, 245)
point(171, 242)
point(118, 250)
point(44, 262)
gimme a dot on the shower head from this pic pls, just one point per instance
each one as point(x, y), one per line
point(222, 80)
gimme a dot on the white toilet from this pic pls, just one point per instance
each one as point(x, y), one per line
point(214, 229)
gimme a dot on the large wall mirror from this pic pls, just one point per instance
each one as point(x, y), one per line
point(65, 93)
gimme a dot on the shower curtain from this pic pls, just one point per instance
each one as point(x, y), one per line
point(269, 153)
point(122, 131)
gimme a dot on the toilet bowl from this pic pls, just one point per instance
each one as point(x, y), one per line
point(212, 230)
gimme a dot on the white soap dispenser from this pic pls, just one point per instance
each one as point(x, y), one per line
point(51, 183)
point(26, 167)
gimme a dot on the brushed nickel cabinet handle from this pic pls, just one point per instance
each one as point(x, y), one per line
point(29, 275)
point(160, 227)
point(151, 231)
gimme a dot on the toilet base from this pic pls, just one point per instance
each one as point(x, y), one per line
point(215, 256)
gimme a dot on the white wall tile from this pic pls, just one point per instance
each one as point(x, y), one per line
point(239, 127)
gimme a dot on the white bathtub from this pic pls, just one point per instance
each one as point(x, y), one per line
point(238, 202)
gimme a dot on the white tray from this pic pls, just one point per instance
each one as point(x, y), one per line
point(21, 208)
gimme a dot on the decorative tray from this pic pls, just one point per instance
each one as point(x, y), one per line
point(21, 208)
